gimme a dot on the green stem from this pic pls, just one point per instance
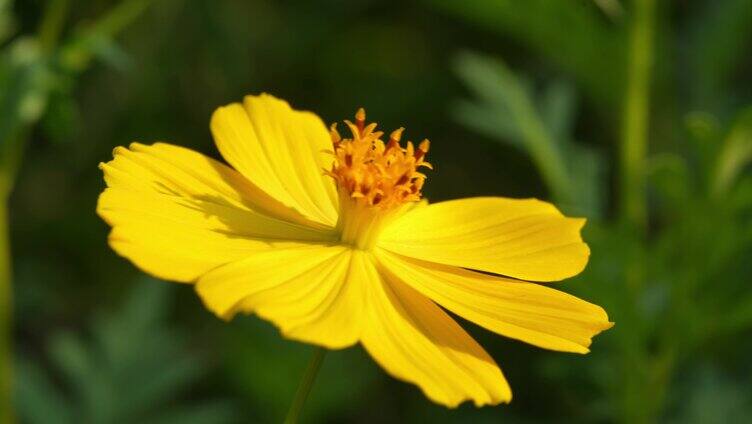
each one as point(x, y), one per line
point(305, 386)
point(636, 114)
point(6, 314)
point(639, 405)
point(52, 23)
point(120, 16)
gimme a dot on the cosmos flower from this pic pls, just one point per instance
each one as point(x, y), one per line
point(328, 238)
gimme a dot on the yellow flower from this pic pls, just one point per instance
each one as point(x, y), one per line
point(327, 238)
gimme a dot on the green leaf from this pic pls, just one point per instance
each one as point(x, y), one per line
point(84, 375)
point(569, 33)
point(487, 121)
point(38, 400)
point(110, 53)
point(508, 100)
point(96, 40)
point(587, 170)
point(506, 109)
point(735, 154)
point(132, 365)
point(558, 109)
point(72, 358)
point(25, 80)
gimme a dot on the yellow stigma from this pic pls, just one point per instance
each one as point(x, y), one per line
point(374, 173)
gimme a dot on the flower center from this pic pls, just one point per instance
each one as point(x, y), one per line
point(374, 178)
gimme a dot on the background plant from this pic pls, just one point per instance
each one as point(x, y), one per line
point(131, 367)
point(674, 288)
point(37, 72)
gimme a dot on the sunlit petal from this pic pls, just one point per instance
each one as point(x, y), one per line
point(322, 306)
point(280, 150)
point(529, 312)
point(308, 291)
point(521, 238)
point(414, 340)
point(177, 214)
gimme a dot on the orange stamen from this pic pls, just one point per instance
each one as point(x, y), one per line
point(376, 173)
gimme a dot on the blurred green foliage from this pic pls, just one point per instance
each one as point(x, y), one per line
point(131, 369)
point(681, 289)
point(518, 98)
point(509, 110)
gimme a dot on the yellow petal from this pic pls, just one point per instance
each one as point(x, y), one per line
point(521, 238)
point(312, 293)
point(322, 306)
point(282, 151)
point(415, 341)
point(170, 169)
point(175, 215)
point(529, 312)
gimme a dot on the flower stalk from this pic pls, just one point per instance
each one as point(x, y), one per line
point(636, 115)
point(644, 391)
point(6, 309)
point(306, 384)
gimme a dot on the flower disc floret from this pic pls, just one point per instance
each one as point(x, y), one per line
point(375, 173)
